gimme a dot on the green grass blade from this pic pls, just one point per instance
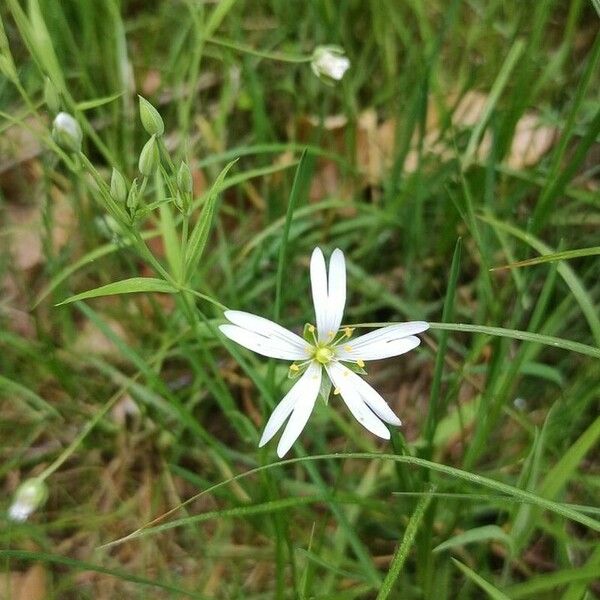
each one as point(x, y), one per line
point(525, 336)
point(199, 235)
point(485, 533)
point(564, 255)
point(404, 547)
point(486, 586)
point(126, 286)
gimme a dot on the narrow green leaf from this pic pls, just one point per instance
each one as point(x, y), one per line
point(435, 412)
point(485, 533)
point(526, 336)
point(201, 230)
point(484, 584)
point(549, 581)
point(566, 272)
point(404, 547)
point(126, 286)
point(97, 102)
point(564, 255)
point(299, 187)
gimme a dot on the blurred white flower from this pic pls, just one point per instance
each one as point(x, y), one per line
point(67, 132)
point(329, 62)
point(30, 495)
point(326, 354)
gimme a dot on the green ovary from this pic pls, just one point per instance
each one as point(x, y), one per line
point(324, 355)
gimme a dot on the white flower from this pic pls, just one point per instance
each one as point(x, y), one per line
point(67, 132)
point(30, 495)
point(328, 352)
point(329, 62)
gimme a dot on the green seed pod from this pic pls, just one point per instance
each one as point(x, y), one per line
point(30, 496)
point(151, 119)
point(185, 182)
point(66, 132)
point(51, 96)
point(149, 157)
point(118, 186)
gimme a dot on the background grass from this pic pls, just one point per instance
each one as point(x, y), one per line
point(130, 404)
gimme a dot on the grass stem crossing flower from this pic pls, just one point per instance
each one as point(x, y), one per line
point(326, 356)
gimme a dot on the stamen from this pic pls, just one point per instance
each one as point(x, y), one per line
point(311, 328)
point(348, 348)
point(336, 391)
point(294, 367)
point(360, 362)
point(348, 331)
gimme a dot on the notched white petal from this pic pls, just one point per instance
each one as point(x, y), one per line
point(336, 290)
point(267, 346)
point(342, 379)
point(264, 327)
point(391, 332)
point(318, 282)
point(310, 384)
point(377, 349)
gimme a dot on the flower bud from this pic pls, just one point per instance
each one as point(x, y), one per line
point(30, 496)
point(149, 157)
point(51, 96)
point(66, 132)
point(151, 119)
point(185, 182)
point(329, 63)
point(132, 197)
point(118, 186)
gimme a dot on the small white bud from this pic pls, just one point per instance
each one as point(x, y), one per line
point(151, 119)
point(66, 132)
point(149, 157)
point(329, 62)
point(118, 186)
point(30, 496)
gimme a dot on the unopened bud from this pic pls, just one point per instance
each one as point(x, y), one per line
point(118, 186)
point(30, 496)
point(132, 197)
point(149, 157)
point(66, 132)
point(151, 119)
point(51, 96)
point(329, 63)
point(185, 183)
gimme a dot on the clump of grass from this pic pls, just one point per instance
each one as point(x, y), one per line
point(143, 423)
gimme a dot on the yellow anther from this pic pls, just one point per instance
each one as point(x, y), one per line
point(294, 367)
point(336, 391)
point(348, 331)
point(331, 333)
point(348, 348)
point(311, 328)
point(360, 362)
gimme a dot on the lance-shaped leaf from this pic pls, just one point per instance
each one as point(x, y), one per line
point(201, 230)
point(126, 286)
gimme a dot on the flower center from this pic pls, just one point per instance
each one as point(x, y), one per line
point(323, 354)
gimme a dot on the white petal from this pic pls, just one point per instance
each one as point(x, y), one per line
point(336, 290)
point(318, 281)
point(377, 349)
point(374, 400)
point(265, 327)
point(310, 382)
point(285, 407)
point(340, 376)
point(391, 332)
point(267, 346)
